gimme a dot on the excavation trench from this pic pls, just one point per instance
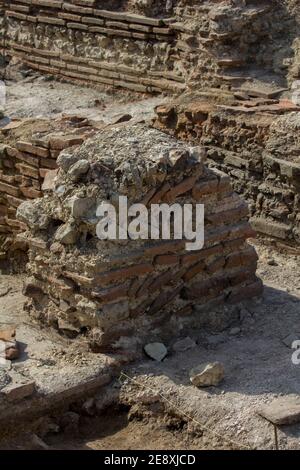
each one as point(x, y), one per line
point(139, 420)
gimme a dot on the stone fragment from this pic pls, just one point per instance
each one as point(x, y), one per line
point(80, 206)
point(70, 423)
point(49, 180)
point(207, 375)
point(156, 351)
point(4, 378)
point(68, 327)
point(8, 334)
point(272, 262)
point(234, 331)
point(36, 443)
point(184, 344)
point(81, 167)
point(66, 159)
point(89, 406)
point(66, 234)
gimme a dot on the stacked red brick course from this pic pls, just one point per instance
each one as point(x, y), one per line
point(134, 288)
point(28, 153)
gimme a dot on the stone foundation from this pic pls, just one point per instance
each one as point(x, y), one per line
point(119, 292)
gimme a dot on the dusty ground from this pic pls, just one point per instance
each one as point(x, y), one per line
point(39, 96)
point(258, 368)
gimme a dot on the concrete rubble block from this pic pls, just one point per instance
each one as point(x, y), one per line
point(32, 214)
point(207, 375)
point(66, 234)
point(66, 159)
point(80, 206)
point(81, 167)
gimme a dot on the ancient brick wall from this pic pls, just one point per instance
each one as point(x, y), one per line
point(112, 289)
point(78, 42)
point(256, 142)
point(28, 153)
point(191, 44)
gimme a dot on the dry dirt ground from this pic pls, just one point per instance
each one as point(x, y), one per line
point(255, 351)
point(39, 96)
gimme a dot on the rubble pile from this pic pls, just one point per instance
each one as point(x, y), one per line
point(118, 291)
point(28, 152)
point(254, 139)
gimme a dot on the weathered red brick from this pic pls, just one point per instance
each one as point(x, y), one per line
point(160, 193)
point(162, 260)
point(28, 170)
point(241, 258)
point(33, 149)
point(111, 294)
point(193, 271)
point(241, 293)
point(123, 273)
point(215, 265)
point(204, 187)
point(13, 201)
point(230, 216)
point(31, 193)
point(164, 247)
point(163, 299)
point(60, 142)
point(194, 256)
point(181, 188)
